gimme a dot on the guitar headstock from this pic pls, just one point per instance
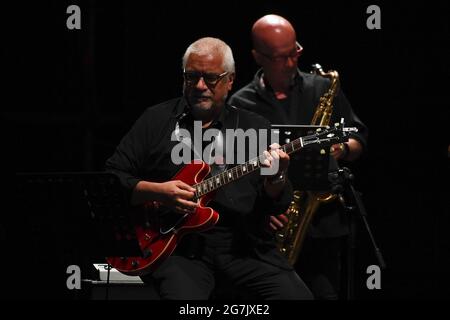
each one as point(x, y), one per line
point(329, 135)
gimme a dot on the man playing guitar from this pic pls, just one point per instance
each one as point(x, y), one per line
point(237, 246)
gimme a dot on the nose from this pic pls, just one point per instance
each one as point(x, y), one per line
point(291, 62)
point(201, 84)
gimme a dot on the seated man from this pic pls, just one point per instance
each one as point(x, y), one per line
point(238, 247)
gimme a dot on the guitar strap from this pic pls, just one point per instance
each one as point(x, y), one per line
point(219, 144)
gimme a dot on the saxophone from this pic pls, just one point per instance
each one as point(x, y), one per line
point(305, 203)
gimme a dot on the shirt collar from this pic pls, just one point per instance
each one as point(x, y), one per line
point(181, 109)
point(262, 86)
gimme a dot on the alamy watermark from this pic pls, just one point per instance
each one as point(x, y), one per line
point(74, 279)
point(374, 20)
point(220, 149)
point(74, 20)
point(374, 280)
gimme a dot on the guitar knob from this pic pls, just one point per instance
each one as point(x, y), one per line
point(134, 263)
point(147, 253)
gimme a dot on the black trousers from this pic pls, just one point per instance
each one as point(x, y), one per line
point(182, 278)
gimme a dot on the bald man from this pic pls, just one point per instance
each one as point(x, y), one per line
point(283, 94)
point(276, 50)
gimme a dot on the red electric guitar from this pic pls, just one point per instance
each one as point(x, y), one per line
point(159, 230)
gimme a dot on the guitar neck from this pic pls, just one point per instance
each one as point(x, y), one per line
point(213, 183)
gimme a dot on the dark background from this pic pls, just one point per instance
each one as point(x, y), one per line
point(68, 96)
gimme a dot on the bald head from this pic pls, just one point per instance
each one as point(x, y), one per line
point(272, 31)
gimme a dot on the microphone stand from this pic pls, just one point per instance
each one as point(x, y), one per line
point(341, 182)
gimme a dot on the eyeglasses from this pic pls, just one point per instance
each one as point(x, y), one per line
point(283, 58)
point(210, 79)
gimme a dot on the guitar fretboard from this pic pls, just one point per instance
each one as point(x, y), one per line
point(237, 172)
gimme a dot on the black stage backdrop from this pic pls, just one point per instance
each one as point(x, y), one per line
point(68, 96)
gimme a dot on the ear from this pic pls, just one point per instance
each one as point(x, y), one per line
point(257, 57)
point(231, 80)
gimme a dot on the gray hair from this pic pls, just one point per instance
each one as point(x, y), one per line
point(214, 46)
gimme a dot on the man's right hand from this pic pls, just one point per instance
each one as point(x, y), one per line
point(176, 195)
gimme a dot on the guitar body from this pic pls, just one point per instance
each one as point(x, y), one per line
point(158, 234)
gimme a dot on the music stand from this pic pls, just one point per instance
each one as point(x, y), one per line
point(308, 168)
point(326, 175)
point(351, 201)
point(75, 218)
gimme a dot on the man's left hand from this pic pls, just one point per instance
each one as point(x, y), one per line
point(338, 151)
point(276, 157)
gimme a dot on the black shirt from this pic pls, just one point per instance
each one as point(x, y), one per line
point(299, 108)
point(145, 154)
